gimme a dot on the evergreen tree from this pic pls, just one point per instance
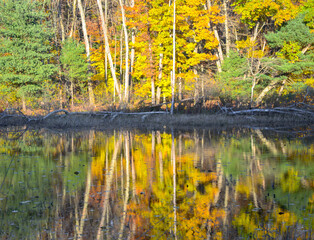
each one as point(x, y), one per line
point(233, 81)
point(74, 64)
point(25, 50)
point(295, 59)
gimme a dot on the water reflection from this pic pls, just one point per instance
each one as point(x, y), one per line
point(160, 185)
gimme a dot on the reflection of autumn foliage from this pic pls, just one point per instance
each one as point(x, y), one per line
point(229, 186)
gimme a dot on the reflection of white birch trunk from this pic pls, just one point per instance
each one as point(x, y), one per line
point(86, 197)
point(173, 160)
point(203, 150)
point(127, 189)
point(196, 140)
point(219, 174)
point(133, 177)
point(226, 204)
point(161, 167)
point(108, 188)
point(252, 172)
point(77, 223)
point(152, 161)
point(269, 144)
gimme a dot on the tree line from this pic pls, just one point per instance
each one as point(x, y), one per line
point(97, 53)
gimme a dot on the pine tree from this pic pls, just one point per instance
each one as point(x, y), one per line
point(74, 63)
point(25, 50)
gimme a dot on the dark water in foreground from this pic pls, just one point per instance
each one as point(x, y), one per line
point(236, 184)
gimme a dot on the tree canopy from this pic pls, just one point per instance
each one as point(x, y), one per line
point(243, 51)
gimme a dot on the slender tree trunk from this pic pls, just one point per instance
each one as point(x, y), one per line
point(173, 57)
point(112, 69)
point(72, 94)
point(121, 56)
point(87, 48)
point(196, 90)
point(60, 20)
point(159, 77)
point(133, 42)
point(60, 97)
point(23, 103)
point(106, 56)
point(153, 91)
point(281, 88)
point(180, 88)
point(255, 32)
point(219, 53)
point(158, 95)
point(74, 19)
point(152, 78)
point(252, 89)
point(126, 40)
point(226, 28)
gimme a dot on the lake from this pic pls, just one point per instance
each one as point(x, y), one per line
point(120, 184)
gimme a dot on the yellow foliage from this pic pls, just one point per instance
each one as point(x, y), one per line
point(250, 48)
point(254, 11)
point(290, 182)
point(290, 51)
point(310, 82)
point(243, 189)
point(245, 221)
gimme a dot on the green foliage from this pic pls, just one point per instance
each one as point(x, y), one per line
point(73, 60)
point(308, 10)
point(232, 78)
point(295, 61)
point(25, 47)
point(294, 31)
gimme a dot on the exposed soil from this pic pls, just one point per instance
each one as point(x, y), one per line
point(157, 120)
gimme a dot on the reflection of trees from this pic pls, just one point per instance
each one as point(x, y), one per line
point(32, 192)
point(109, 179)
point(262, 197)
point(195, 185)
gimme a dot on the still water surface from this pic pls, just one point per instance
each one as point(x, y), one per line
point(202, 184)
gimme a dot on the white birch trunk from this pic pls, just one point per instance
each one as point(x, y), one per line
point(219, 48)
point(126, 40)
point(74, 18)
point(173, 57)
point(87, 48)
point(112, 69)
point(226, 28)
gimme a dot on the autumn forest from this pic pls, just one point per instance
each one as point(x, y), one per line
point(100, 54)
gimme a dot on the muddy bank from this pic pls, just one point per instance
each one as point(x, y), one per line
point(63, 119)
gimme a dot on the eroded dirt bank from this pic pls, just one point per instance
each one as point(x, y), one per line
point(63, 119)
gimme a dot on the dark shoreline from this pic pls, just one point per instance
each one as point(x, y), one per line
point(158, 121)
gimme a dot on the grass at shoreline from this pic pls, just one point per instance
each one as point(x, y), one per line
point(159, 121)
